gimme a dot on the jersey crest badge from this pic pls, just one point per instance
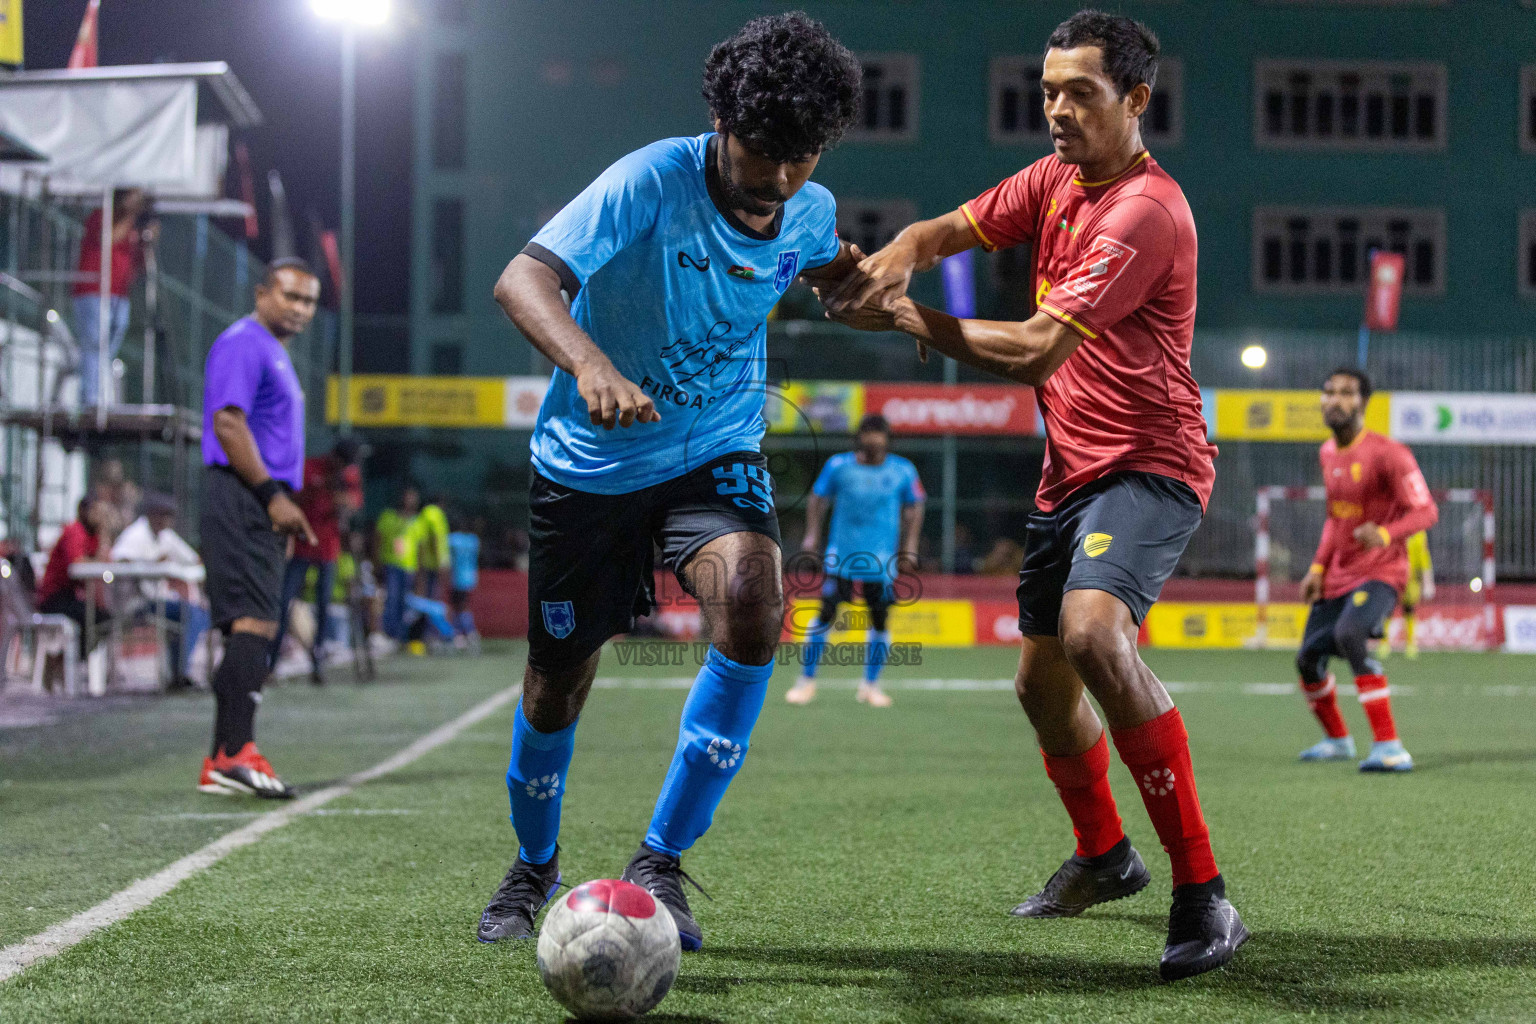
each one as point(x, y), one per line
point(789, 263)
point(1099, 268)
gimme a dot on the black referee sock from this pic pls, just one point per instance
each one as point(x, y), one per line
point(237, 690)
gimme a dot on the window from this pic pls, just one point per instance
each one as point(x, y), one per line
point(1528, 253)
point(1349, 105)
point(889, 111)
point(1326, 250)
point(1528, 108)
point(447, 359)
point(448, 110)
point(870, 224)
point(1018, 104)
point(448, 256)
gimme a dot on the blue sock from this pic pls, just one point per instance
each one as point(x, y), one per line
point(712, 740)
point(815, 644)
point(536, 784)
point(877, 649)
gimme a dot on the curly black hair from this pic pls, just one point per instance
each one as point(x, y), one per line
point(783, 86)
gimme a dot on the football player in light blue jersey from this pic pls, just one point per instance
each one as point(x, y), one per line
point(671, 261)
point(877, 515)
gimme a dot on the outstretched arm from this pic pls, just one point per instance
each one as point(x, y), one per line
point(881, 279)
point(1027, 352)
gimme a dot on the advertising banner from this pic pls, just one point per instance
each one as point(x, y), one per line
point(939, 623)
point(1253, 415)
point(1520, 628)
point(954, 408)
point(387, 400)
point(1463, 418)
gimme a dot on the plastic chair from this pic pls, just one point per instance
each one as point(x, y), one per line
point(54, 634)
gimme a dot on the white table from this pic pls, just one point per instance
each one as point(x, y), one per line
point(95, 574)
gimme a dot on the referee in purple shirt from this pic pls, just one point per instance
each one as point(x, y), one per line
point(253, 446)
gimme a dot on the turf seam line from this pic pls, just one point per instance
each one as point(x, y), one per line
point(56, 939)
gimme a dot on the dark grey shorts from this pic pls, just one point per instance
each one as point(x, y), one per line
point(1122, 535)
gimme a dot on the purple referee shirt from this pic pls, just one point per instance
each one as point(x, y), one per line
point(248, 369)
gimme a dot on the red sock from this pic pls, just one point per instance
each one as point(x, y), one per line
point(1157, 753)
point(1377, 704)
point(1082, 782)
point(1325, 705)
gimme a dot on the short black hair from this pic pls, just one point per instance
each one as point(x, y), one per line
point(287, 263)
point(1360, 379)
point(1129, 49)
point(783, 86)
point(874, 422)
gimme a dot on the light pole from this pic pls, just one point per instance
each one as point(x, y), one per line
point(351, 14)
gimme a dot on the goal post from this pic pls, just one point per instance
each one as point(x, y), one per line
point(1289, 523)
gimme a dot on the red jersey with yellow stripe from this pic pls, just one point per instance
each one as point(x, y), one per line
point(1115, 261)
point(1373, 479)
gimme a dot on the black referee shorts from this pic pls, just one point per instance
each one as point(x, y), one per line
point(243, 555)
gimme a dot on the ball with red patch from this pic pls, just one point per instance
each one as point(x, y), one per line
point(608, 950)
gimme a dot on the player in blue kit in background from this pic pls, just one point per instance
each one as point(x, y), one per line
point(464, 559)
point(649, 433)
point(877, 515)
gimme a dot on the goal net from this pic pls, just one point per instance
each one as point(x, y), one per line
point(1460, 615)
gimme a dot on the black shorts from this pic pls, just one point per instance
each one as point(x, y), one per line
point(590, 566)
point(243, 555)
point(1122, 534)
point(879, 595)
point(458, 599)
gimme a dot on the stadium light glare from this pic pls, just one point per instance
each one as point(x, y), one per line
point(1254, 357)
point(53, 316)
point(358, 12)
point(1476, 584)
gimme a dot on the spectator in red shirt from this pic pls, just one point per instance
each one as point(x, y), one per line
point(128, 208)
point(332, 494)
point(80, 541)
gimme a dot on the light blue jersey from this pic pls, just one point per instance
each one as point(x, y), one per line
point(866, 513)
point(676, 291)
point(464, 555)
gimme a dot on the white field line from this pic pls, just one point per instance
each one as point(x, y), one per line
point(1006, 685)
point(18, 957)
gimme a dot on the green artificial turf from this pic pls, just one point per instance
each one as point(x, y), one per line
point(862, 865)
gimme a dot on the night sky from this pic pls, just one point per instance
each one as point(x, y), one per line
point(290, 63)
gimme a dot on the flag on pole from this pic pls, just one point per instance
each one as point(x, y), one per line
point(84, 53)
point(1386, 290)
point(247, 191)
point(11, 51)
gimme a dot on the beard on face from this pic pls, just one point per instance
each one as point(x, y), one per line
point(758, 202)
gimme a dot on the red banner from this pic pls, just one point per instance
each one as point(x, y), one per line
point(1386, 291)
point(954, 408)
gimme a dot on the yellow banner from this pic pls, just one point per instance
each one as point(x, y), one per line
point(1243, 415)
point(939, 623)
point(1173, 624)
point(815, 405)
point(11, 51)
point(383, 400)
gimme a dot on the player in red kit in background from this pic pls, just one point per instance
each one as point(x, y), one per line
point(1128, 469)
point(1377, 499)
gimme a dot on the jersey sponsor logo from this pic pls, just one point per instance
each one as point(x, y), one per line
point(685, 260)
point(1346, 510)
point(709, 355)
point(747, 486)
point(1099, 268)
point(559, 618)
point(1095, 544)
point(789, 263)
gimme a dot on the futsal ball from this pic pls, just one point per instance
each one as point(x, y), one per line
point(608, 950)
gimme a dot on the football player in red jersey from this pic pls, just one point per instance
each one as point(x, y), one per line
point(1377, 499)
point(1128, 469)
